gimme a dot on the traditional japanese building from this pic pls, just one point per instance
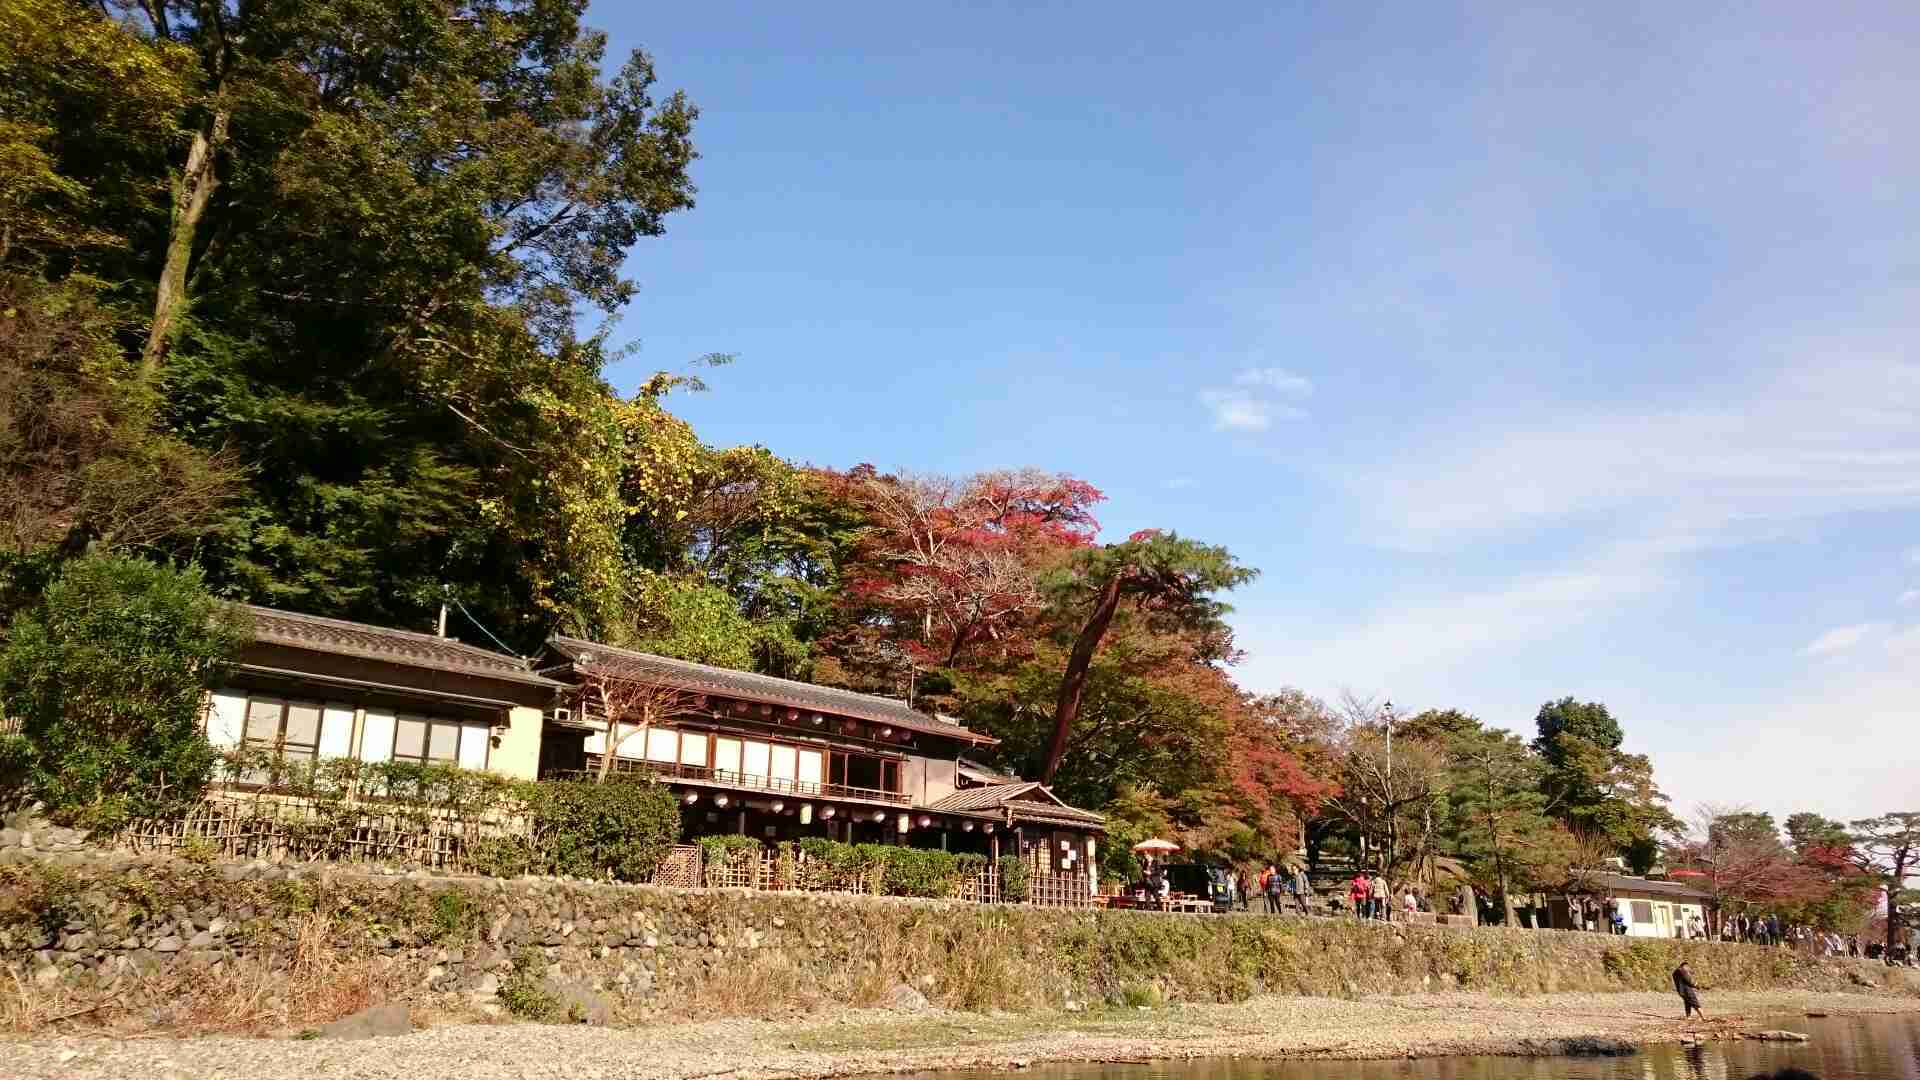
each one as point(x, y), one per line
point(317, 687)
point(777, 760)
point(747, 754)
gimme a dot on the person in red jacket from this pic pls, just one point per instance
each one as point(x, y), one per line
point(1361, 894)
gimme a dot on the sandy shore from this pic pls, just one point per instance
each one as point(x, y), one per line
point(852, 1043)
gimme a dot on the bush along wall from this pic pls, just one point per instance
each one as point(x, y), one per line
point(103, 931)
point(435, 815)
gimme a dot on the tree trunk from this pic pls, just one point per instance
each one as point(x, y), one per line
point(192, 192)
point(1067, 708)
point(1894, 885)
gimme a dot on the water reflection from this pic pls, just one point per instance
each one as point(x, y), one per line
point(1842, 1048)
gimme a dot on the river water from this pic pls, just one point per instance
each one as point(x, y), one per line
point(1842, 1048)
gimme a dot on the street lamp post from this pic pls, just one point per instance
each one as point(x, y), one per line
point(1386, 712)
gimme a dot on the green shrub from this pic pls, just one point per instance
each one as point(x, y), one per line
point(501, 856)
point(16, 763)
point(1015, 877)
point(452, 917)
point(730, 850)
point(524, 991)
point(107, 676)
point(621, 829)
point(914, 872)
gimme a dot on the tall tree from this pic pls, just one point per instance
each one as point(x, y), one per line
point(1888, 847)
point(1168, 580)
point(1500, 823)
point(414, 200)
point(958, 562)
point(1594, 786)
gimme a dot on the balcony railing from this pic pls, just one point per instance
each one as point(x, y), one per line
point(772, 785)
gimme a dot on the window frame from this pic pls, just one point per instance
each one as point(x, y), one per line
point(308, 752)
point(425, 757)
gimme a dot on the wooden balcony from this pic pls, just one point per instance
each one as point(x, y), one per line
point(722, 778)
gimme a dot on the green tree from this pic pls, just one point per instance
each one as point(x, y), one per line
point(1498, 813)
point(1595, 787)
point(412, 200)
point(1437, 725)
point(692, 620)
point(1167, 580)
point(1888, 847)
point(82, 462)
point(108, 677)
point(1808, 832)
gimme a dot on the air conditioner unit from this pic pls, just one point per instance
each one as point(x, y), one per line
point(562, 716)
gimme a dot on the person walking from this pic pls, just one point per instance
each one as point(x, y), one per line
point(1246, 894)
point(1275, 884)
point(1361, 893)
point(1382, 898)
point(1688, 990)
point(1302, 889)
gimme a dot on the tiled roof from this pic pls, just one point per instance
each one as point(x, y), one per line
point(1614, 883)
point(342, 638)
point(765, 689)
point(1019, 798)
point(973, 770)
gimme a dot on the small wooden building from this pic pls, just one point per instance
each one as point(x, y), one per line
point(1651, 907)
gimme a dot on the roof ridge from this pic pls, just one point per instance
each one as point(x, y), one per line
point(417, 635)
point(737, 673)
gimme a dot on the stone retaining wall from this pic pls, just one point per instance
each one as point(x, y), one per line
point(121, 928)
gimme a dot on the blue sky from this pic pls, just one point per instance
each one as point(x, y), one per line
point(1526, 353)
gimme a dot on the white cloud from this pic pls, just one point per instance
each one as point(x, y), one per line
point(1278, 380)
point(1913, 555)
point(1831, 746)
point(1424, 640)
point(1252, 402)
point(1905, 643)
point(1909, 598)
point(1829, 435)
point(1237, 411)
point(1841, 639)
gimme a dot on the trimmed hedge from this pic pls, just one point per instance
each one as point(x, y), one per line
point(881, 869)
point(620, 830)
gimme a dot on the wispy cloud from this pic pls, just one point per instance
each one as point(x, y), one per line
point(1257, 398)
point(1279, 380)
point(1827, 436)
point(1842, 639)
point(1422, 640)
point(1909, 598)
point(1234, 410)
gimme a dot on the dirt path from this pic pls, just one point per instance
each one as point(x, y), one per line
point(869, 1042)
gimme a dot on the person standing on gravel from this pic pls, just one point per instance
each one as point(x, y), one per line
point(1302, 889)
point(1360, 891)
point(1382, 899)
point(1689, 992)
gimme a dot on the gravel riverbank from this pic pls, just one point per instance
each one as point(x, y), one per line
point(851, 1043)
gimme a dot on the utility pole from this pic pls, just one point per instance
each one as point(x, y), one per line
point(1386, 712)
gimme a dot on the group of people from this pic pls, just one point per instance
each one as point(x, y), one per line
point(1373, 897)
point(1280, 888)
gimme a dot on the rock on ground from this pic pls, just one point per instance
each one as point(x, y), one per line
point(373, 1022)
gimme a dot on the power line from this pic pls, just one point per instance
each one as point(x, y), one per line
point(482, 626)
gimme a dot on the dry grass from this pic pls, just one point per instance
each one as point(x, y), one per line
point(246, 996)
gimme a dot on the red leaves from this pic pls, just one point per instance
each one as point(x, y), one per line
point(960, 559)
